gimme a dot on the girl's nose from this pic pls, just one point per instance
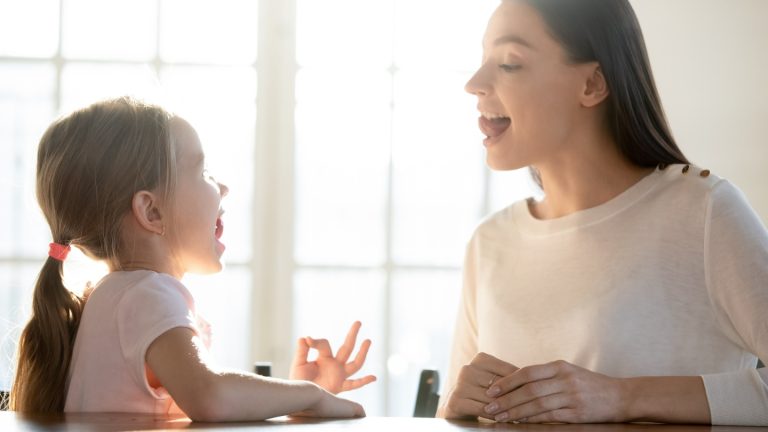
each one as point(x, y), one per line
point(223, 189)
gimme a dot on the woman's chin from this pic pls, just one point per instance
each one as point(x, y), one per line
point(497, 163)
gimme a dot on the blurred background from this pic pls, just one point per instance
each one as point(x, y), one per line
point(351, 151)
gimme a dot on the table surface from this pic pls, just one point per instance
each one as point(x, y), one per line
point(12, 421)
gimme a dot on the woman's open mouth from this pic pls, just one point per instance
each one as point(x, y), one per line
point(493, 125)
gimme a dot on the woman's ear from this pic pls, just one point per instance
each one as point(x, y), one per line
point(145, 208)
point(595, 86)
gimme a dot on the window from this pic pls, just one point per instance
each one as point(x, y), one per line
point(354, 163)
point(390, 179)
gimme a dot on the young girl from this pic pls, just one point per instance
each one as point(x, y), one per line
point(637, 289)
point(126, 183)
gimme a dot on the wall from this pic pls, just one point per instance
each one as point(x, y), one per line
point(710, 59)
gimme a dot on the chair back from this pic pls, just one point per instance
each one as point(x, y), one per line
point(263, 368)
point(4, 399)
point(427, 394)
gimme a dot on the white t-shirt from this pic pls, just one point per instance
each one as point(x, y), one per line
point(124, 314)
point(668, 278)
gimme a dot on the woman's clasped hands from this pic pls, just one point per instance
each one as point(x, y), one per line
point(556, 392)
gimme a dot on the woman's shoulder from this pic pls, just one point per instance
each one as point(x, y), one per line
point(688, 177)
point(695, 196)
point(691, 182)
point(501, 221)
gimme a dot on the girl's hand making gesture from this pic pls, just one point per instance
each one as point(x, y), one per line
point(329, 371)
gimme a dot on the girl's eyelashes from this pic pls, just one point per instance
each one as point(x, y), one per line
point(207, 174)
point(510, 67)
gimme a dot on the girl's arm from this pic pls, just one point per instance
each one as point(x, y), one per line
point(177, 359)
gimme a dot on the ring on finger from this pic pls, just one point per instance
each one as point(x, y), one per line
point(493, 378)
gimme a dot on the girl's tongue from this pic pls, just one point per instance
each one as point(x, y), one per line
point(494, 127)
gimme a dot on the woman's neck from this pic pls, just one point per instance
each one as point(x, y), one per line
point(585, 177)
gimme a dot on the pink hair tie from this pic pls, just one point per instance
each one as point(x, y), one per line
point(58, 251)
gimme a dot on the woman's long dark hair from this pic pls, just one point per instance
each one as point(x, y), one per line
point(607, 31)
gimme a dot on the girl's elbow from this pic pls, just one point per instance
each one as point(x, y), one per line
point(205, 415)
point(205, 410)
point(208, 405)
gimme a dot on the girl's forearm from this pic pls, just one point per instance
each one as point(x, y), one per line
point(665, 399)
point(236, 396)
point(178, 362)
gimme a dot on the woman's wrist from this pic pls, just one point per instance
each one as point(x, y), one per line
point(674, 399)
point(630, 390)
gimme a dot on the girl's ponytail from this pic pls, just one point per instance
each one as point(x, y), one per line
point(46, 344)
point(89, 166)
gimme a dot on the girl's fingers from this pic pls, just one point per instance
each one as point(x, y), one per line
point(302, 353)
point(349, 343)
point(321, 345)
point(353, 384)
point(357, 364)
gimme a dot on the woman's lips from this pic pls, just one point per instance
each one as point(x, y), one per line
point(495, 127)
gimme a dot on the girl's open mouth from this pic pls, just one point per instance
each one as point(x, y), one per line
point(219, 230)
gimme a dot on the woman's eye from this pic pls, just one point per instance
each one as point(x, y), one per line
point(510, 67)
point(207, 174)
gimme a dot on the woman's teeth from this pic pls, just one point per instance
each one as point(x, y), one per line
point(493, 116)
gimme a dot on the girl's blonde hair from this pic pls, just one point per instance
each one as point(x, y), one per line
point(89, 166)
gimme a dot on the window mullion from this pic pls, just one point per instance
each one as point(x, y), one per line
point(272, 265)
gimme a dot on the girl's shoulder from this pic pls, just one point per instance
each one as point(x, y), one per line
point(140, 285)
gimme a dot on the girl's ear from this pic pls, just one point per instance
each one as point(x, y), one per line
point(146, 210)
point(595, 87)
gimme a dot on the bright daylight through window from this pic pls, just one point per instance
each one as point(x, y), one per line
point(366, 214)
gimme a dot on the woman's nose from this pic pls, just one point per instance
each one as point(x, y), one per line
point(223, 189)
point(478, 84)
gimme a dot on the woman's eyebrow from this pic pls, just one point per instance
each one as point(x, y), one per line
point(513, 38)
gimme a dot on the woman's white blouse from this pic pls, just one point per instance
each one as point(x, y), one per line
point(668, 278)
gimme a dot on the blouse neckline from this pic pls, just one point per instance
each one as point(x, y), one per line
point(528, 223)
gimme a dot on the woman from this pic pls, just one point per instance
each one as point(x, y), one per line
point(636, 289)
